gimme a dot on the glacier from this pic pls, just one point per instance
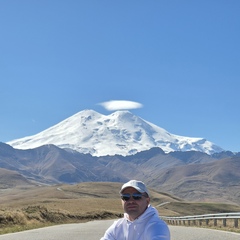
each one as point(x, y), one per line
point(120, 133)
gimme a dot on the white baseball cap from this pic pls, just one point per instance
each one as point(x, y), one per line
point(138, 185)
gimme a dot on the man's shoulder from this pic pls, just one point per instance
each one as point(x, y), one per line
point(119, 221)
point(156, 227)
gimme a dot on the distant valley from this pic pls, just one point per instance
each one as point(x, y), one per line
point(192, 175)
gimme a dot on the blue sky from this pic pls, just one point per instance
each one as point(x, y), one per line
point(179, 60)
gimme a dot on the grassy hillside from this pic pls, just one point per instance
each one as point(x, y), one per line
point(30, 207)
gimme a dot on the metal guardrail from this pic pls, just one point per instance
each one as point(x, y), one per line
point(199, 219)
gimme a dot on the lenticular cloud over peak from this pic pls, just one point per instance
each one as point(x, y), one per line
point(114, 105)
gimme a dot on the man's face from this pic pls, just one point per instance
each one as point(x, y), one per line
point(134, 208)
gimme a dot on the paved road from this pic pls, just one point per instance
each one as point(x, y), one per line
point(95, 229)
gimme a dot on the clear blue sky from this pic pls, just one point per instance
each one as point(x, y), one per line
point(179, 59)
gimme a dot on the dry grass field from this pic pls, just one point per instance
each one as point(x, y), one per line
point(28, 207)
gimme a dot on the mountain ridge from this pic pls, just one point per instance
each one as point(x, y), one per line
point(120, 133)
point(191, 175)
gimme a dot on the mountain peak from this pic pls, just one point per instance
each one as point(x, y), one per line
point(121, 133)
point(122, 113)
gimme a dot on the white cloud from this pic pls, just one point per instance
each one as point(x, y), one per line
point(114, 105)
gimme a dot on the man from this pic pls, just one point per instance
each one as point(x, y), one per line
point(141, 220)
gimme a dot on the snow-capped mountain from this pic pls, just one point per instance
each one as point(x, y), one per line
point(119, 133)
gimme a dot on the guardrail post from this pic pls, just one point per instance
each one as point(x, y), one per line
point(224, 222)
point(207, 221)
point(215, 222)
point(200, 222)
point(236, 222)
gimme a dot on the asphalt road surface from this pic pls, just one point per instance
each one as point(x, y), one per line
point(94, 231)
